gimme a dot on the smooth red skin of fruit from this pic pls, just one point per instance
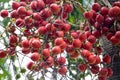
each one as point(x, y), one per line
point(42, 30)
point(70, 49)
point(82, 67)
point(62, 70)
point(49, 1)
point(114, 40)
point(77, 43)
point(58, 41)
point(56, 50)
point(109, 35)
point(117, 34)
point(68, 8)
point(110, 72)
point(36, 43)
point(99, 18)
point(35, 56)
point(20, 22)
point(55, 8)
point(33, 5)
point(98, 60)
point(85, 53)
point(36, 16)
point(61, 60)
point(83, 36)
point(102, 77)
point(114, 11)
point(25, 50)
point(107, 59)
point(74, 55)
point(3, 54)
point(14, 14)
point(15, 5)
point(88, 15)
point(13, 39)
point(46, 53)
point(117, 3)
point(105, 30)
point(60, 33)
point(4, 13)
point(40, 5)
point(96, 7)
point(63, 45)
point(66, 27)
point(25, 44)
point(28, 20)
point(92, 39)
point(50, 61)
point(21, 11)
point(30, 66)
point(96, 33)
point(91, 59)
point(104, 10)
point(74, 35)
point(103, 72)
point(87, 46)
point(94, 69)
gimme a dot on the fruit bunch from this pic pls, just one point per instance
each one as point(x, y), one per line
point(41, 29)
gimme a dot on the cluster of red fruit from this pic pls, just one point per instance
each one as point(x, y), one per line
point(105, 21)
point(43, 24)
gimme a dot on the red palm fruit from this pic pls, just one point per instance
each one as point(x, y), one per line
point(83, 37)
point(35, 56)
point(91, 39)
point(103, 72)
point(66, 27)
point(50, 61)
point(114, 11)
point(116, 3)
point(21, 11)
point(107, 59)
point(33, 5)
point(25, 44)
point(74, 55)
point(20, 22)
point(77, 43)
point(42, 30)
point(13, 39)
point(56, 50)
point(96, 7)
point(29, 13)
point(99, 50)
point(88, 15)
point(36, 44)
point(88, 33)
point(28, 20)
point(87, 45)
point(94, 69)
point(114, 40)
point(60, 33)
point(14, 14)
point(55, 8)
point(74, 35)
point(110, 72)
point(96, 33)
point(105, 30)
point(91, 59)
point(109, 35)
point(58, 41)
point(63, 45)
point(68, 8)
point(15, 5)
point(104, 10)
point(30, 66)
point(100, 18)
point(49, 1)
point(61, 60)
point(117, 34)
point(82, 67)
point(85, 53)
point(4, 13)
point(62, 70)
point(40, 5)
point(3, 54)
point(25, 50)
point(46, 53)
point(50, 27)
point(36, 16)
point(98, 60)
point(70, 49)
point(102, 77)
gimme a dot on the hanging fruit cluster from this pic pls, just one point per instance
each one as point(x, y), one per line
point(46, 35)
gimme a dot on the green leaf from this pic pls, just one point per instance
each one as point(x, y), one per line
point(4, 1)
point(81, 1)
point(5, 21)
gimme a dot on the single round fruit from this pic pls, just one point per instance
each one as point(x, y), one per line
point(77, 43)
point(56, 50)
point(46, 53)
point(4, 13)
point(61, 60)
point(35, 56)
point(25, 44)
point(3, 54)
point(82, 67)
point(62, 70)
point(96, 7)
